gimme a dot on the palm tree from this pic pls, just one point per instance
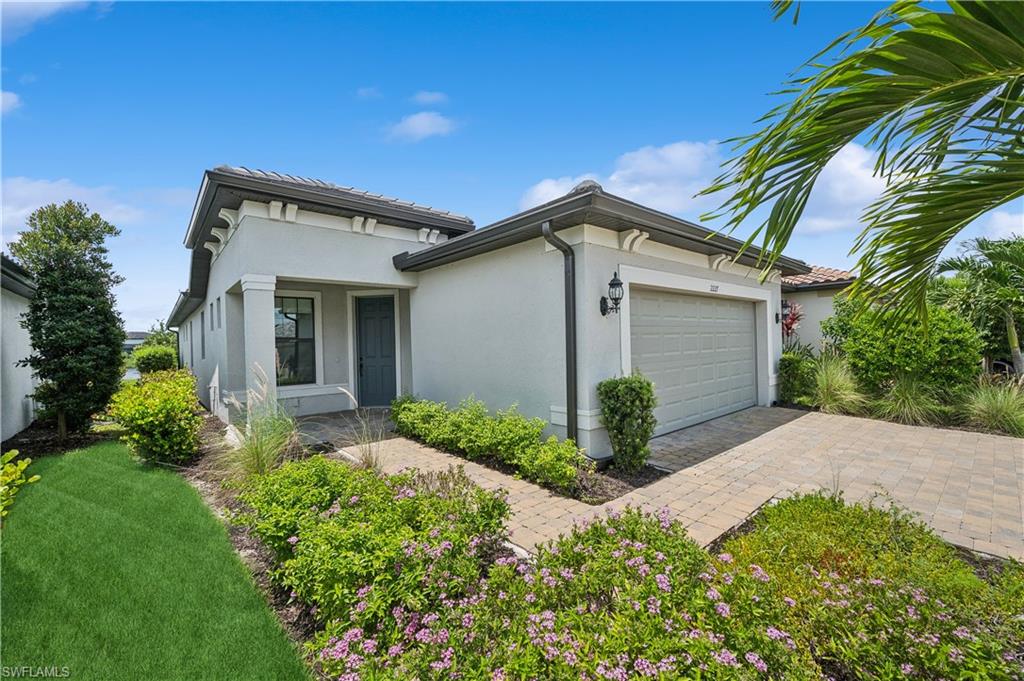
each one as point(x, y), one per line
point(939, 95)
point(995, 274)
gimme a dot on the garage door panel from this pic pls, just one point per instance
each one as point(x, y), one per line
point(698, 351)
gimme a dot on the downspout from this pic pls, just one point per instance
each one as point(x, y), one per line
point(569, 261)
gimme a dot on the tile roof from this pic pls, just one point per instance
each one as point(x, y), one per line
point(820, 275)
point(337, 190)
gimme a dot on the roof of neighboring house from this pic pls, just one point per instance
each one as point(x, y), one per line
point(588, 203)
point(819, 277)
point(136, 335)
point(16, 278)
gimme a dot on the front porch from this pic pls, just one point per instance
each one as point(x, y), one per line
point(322, 347)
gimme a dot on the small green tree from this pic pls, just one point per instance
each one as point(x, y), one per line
point(76, 331)
point(159, 334)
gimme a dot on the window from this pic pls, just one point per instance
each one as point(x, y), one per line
point(293, 333)
point(218, 312)
point(202, 334)
point(191, 347)
point(211, 316)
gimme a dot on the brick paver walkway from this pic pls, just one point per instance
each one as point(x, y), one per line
point(968, 486)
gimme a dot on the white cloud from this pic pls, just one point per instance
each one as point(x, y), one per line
point(665, 178)
point(427, 97)
point(1003, 224)
point(368, 93)
point(9, 101)
point(19, 18)
point(844, 188)
point(668, 177)
point(419, 126)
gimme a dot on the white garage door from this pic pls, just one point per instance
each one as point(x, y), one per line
point(698, 351)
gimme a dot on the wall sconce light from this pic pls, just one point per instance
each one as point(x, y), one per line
point(785, 311)
point(615, 293)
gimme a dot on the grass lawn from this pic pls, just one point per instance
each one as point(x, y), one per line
point(119, 571)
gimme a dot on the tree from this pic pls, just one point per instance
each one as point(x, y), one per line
point(939, 95)
point(994, 270)
point(159, 334)
point(76, 332)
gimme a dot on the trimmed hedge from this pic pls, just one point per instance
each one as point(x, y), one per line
point(150, 358)
point(160, 415)
point(796, 378)
point(627, 411)
point(514, 439)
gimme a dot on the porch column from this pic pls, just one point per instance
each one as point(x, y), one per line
point(258, 312)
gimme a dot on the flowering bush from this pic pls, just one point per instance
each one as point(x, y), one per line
point(160, 415)
point(511, 437)
point(355, 545)
point(876, 594)
point(624, 597)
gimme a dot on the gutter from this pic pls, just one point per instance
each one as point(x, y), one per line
point(569, 262)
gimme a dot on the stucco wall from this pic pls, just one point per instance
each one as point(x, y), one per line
point(17, 384)
point(492, 326)
point(315, 253)
point(817, 307)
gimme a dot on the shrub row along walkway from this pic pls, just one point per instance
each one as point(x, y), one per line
point(967, 486)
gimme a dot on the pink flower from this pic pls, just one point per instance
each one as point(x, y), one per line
point(713, 594)
point(722, 609)
point(907, 669)
point(293, 540)
point(663, 583)
point(725, 557)
point(755, 660)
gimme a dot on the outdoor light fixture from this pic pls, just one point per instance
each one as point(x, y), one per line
point(615, 291)
point(785, 311)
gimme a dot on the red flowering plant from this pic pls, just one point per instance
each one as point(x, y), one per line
point(791, 320)
point(627, 596)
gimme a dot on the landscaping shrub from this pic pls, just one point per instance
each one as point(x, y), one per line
point(150, 358)
point(356, 545)
point(160, 415)
point(624, 597)
point(908, 399)
point(12, 479)
point(835, 390)
point(875, 594)
point(627, 412)
point(796, 377)
point(879, 346)
point(509, 436)
point(997, 406)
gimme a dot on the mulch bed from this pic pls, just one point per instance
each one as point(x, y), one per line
point(40, 439)
point(223, 501)
point(611, 483)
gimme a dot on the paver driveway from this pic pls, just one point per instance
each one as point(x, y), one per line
point(968, 486)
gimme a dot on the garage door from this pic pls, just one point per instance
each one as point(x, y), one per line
point(698, 351)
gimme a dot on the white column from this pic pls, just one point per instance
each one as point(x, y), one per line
point(258, 312)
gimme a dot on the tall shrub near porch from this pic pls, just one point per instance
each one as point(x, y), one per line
point(627, 412)
point(76, 331)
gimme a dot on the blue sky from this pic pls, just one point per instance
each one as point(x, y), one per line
point(478, 109)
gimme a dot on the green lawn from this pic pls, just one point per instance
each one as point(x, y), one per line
point(119, 571)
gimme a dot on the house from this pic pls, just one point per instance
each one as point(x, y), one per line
point(133, 339)
point(814, 292)
point(16, 382)
point(326, 287)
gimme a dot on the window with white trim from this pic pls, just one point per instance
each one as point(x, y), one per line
point(294, 340)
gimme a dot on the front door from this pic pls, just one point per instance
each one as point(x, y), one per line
point(375, 350)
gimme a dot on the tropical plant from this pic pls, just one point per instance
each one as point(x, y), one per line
point(75, 329)
point(12, 479)
point(938, 94)
point(791, 321)
point(627, 412)
point(909, 399)
point(834, 389)
point(994, 271)
point(997, 406)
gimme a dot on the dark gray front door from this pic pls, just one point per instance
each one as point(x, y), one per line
point(375, 350)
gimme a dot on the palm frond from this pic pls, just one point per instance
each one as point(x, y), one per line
point(939, 96)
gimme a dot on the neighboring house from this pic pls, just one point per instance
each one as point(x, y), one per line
point(327, 287)
point(18, 383)
point(814, 292)
point(134, 339)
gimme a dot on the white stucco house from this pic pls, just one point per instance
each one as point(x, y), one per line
point(325, 287)
point(814, 292)
point(16, 382)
